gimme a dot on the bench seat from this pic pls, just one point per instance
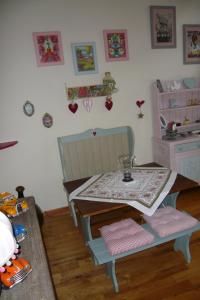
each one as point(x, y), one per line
point(101, 255)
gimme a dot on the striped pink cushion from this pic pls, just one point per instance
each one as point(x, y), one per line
point(125, 235)
point(168, 220)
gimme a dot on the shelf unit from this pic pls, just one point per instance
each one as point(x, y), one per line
point(181, 106)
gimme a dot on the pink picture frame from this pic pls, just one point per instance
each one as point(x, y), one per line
point(48, 48)
point(191, 44)
point(116, 45)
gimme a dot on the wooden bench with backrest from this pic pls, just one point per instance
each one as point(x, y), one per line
point(93, 152)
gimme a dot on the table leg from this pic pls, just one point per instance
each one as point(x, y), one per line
point(86, 227)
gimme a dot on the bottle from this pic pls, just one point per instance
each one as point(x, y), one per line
point(20, 190)
point(109, 83)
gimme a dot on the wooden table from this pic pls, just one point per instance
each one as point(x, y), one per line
point(38, 284)
point(87, 209)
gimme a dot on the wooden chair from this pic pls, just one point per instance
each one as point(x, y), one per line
point(93, 152)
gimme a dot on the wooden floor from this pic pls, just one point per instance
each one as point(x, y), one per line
point(155, 274)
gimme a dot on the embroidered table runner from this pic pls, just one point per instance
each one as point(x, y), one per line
point(146, 192)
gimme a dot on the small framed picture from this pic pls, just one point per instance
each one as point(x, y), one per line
point(163, 26)
point(84, 58)
point(48, 48)
point(116, 45)
point(191, 44)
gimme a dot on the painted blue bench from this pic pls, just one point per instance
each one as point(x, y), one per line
point(101, 255)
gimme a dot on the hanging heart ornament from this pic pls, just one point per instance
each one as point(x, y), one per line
point(73, 107)
point(108, 103)
point(139, 103)
point(87, 104)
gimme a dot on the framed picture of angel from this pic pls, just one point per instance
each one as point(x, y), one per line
point(48, 48)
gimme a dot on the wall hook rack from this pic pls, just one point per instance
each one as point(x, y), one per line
point(98, 90)
point(107, 88)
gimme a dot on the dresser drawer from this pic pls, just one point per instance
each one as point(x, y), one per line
point(187, 147)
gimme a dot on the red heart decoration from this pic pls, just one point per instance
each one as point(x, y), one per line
point(139, 103)
point(108, 104)
point(73, 107)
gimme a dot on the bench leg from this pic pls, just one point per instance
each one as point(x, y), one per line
point(170, 200)
point(111, 273)
point(183, 244)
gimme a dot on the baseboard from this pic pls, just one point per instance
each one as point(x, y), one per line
point(56, 212)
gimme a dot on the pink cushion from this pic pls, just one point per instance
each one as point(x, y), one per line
point(168, 220)
point(125, 235)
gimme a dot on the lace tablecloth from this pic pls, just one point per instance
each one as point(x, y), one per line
point(146, 192)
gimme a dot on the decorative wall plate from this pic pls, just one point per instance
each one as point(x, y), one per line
point(28, 108)
point(47, 120)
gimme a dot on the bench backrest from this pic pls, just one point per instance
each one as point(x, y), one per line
point(94, 151)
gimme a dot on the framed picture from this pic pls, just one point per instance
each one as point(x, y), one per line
point(163, 26)
point(191, 44)
point(84, 58)
point(116, 45)
point(48, 48)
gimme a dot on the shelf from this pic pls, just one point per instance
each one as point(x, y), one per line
point(184, 128)
point(189, 127)
point(187, 107)
point(7, 144)
point(181, 153)
point(178, 91)
point(190, 138)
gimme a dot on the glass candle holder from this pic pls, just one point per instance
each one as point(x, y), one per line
point(126, 163)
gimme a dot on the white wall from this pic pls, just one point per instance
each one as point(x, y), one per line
point(34, 162)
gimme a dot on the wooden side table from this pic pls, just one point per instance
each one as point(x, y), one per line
point(38, 284)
